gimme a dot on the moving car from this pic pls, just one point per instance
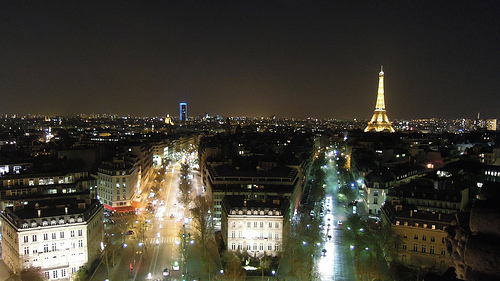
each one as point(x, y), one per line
point(175, 266)
point(166, 272)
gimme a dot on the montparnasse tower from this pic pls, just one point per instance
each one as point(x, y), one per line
point(380, 122)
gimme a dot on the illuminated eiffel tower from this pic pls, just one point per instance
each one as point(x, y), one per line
point(380, 122)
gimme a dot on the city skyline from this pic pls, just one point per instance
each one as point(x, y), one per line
point(285, 58)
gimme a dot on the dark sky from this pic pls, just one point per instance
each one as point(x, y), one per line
point(298, 59)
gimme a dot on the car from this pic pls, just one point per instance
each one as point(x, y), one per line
point(176, 266)
point(339, 224)
point(171, 216)
point(130, 232)
point(166, 272)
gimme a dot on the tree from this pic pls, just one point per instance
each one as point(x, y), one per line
point(31, 273)
point(265, 263)
point(184, 196)
point(184, 187)
point(371, 245)
point(81, 275)
point(203, 226)
point(233, 268)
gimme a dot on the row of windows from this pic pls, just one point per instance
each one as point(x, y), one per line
point(53, 221)
point(111, 179)
point(424, 237)
point(53, 235)
point(41, 181)
point(253, 247)
point(55, 274)
point(62, 273)
point(417, 224)
point(258, 224)
point(53, 247)
point(423, 248)
point(269, 235)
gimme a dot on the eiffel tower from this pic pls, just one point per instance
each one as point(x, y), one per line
point(380, 122)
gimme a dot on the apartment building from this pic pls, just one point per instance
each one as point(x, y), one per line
point(254, 226)
point(422, 235)
point(59, 236)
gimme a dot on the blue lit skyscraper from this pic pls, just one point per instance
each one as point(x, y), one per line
point(183, 111)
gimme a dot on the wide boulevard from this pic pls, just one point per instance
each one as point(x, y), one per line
point(147, 244)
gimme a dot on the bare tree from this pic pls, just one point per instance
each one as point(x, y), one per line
point(184, 196)
point(233, 269)
point(184, 187)
point(31, 273)
point(265, 263)
point(203, 226)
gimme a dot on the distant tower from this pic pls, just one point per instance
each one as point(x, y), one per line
point(183, 111)
point(380, 122)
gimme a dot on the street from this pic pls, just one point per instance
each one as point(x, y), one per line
point(153, 246)
point(336, 263)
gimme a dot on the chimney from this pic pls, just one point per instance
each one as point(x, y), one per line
point(66, 210)
point(18, 207)
point(39, 212)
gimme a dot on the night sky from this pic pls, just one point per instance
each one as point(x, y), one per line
point(297, 59)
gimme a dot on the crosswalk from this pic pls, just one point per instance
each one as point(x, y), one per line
point(162, 240)
point(163, 214)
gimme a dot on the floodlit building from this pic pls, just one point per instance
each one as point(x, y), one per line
point(255, 165)
point(491, 124)
point(20, 188)
point(377, 184)
point(422, 235)
point(380, 122)
point(59, 236)
point(254, 226)
point(118, 182)
point(438, 194)
point(183, 112)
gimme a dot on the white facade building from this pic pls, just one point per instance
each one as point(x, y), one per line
point(59, 236)
point(254, 226)
point(118, 182)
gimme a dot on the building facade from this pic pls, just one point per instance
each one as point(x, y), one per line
point(378, 183)
point(22, 188)
point(224, 180)
point(118, 182)
point(183, 112)
point(422, 236)
point(59, 236)
point(254, 226)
